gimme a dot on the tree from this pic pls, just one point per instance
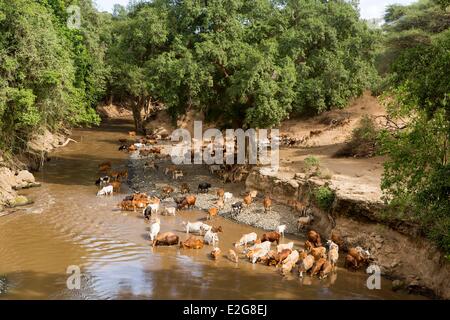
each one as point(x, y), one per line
point(243, 63)
point(416, 179)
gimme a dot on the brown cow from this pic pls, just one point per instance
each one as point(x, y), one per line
point(192, 243)
point(350, 262)
point(212, 212)
point(308, 246)
point(168, 190)
point(271, 236)
point(188, 202)
point(116, 186)
point(314, 238)
point(327, 268)
point(233, 256)
point(185, 188)
point(215, 254)
point(166, 239)
point(220, 193)
point(318, 266)
point(217, 229)
point(319, 252)
point(123, 174)
point(248, 199)
point(267, 204)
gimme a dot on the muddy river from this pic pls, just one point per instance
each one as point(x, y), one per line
point(69, 226)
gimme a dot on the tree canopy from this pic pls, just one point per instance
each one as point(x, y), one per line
point(244, 63)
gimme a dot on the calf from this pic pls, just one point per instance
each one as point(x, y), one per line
point(246, 239)
point(166, 239)
point(271, 236)
point(204, 187)
point(212, 213)
point(267, 204)
point(106, 191)
point(194, 226)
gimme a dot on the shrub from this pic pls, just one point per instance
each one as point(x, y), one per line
point(312, 165)
point(324, 197)
point(363, 142)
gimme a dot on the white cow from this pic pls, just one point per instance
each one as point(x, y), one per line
point(154, 229)
point(282, 247)
point(106, 191)
point(259, 254)
point(227, 196)
point(211, 238)
point(196, 226)
point(170, 211)
point(246, 238)
point(281, 229)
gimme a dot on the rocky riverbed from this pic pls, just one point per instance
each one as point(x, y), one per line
point(152, 182)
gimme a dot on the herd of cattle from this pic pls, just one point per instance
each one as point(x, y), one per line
point(315, 257)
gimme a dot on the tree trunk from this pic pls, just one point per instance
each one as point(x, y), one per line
point(137, 108)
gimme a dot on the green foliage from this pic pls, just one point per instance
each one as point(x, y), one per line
point(49, 75)
point(416, 178)
point(312, 165)
point(244, 63)
point(363, 142)
point(324, 197)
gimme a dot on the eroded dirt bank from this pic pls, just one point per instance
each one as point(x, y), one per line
point(15, 173)
point(356, 215)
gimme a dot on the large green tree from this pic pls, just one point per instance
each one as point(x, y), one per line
point(244, 63)
point(50, 75)
point(416, 179)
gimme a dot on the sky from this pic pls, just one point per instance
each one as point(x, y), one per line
point(370, 9)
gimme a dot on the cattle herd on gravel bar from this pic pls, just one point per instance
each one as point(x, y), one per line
point(315, 257)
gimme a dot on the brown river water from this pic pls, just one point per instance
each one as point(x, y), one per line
point(69, 226)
